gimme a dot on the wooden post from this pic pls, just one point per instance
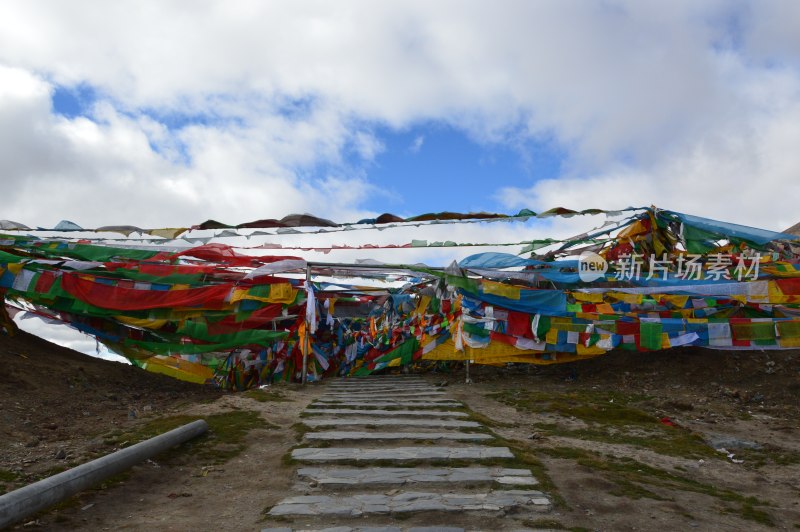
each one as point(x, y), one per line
point(307, 339)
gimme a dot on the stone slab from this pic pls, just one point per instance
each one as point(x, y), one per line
point(384, 422)
point(374, 378)
point(333, 435)
point(333, 454)
point(384, 389)
point(358, 505)
point(384, 403)
point(401, 413)
point(372, 529)
point(398, 382)
point(364, 386)
point(394, 393)
point(332, 476)
point(355, 384)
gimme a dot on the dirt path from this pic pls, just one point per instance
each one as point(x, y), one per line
point(196, 487)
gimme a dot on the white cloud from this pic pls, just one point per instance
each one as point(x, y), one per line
point(417, 143)
point(745, 171)
point(685, 104)
point(114, 168)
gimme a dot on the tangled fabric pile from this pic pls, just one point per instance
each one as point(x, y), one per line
point(652, 280)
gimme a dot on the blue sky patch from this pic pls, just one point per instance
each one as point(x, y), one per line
point(434, 167)
point(71, 102)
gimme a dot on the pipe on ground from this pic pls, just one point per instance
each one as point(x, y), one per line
point(21, 503)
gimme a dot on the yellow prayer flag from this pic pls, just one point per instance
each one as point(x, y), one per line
point(501, 289)
point(591, 350)
point(605, 308)
point(142, 323)
point(596, 297)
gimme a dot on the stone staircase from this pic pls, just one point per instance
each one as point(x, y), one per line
point(394, 453)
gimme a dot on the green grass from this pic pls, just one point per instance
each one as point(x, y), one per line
point(266, 396)
point(10, 477)
point(620, 422)
point(7, 476)
point(768, 454)
point(223, 441)
point(615, 418)
point(588, 406)
point(608, 417)
point(632, 476)
point(552, 524)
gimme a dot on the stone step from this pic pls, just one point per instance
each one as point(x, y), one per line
point(393, 392)
point(366, 386)
point(400, 454)
point(408, 413)
point(337, 435)
point(444, 403)
point(332, 476)
point(375, 382)
point(380, 383)
point(384, 389)
point(383, 422)
point(377, 528)
point(361, 505)
point(438, 398)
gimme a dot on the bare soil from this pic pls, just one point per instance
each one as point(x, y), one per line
point(620, 442)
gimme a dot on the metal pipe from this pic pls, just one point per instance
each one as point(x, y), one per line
point(21, 503)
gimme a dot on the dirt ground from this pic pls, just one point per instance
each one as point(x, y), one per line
point(627, 441)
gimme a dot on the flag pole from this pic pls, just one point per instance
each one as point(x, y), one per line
point(306, 340)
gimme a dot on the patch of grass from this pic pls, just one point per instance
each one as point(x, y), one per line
point(670, 441)
point(486, 420)
point(769, 454)
point(631, 477)
point(223, 441)
point(551, 524)
point(588, 406)
point(300, 430)
point(8, 476)
point(609, 418)
point(266, 396)
point(79, 499)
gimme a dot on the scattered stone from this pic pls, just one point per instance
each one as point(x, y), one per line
point(718, 441)
point(61, 454)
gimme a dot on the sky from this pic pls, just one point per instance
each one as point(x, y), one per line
point(168, 113)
